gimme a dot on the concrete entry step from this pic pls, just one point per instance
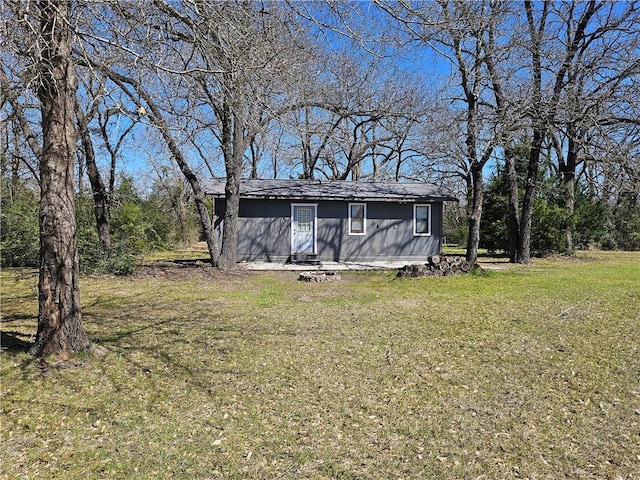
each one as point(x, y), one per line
point(304, 258)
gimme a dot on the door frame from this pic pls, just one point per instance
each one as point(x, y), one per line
point(314, 213)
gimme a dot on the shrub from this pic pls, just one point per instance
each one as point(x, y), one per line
point(126, 241)
point(19, 230)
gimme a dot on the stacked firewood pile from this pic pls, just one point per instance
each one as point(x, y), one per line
point(439, 266)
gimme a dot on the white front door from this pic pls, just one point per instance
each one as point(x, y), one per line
point(303, 229)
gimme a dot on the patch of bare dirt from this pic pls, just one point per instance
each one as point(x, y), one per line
point(188, 270)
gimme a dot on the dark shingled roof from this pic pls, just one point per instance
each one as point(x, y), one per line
point(333, 190)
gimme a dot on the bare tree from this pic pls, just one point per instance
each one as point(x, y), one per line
point(100, 193)
point(463, 34)
point(60, 331)
point(215, 68)
point(564, 42)
point(351, 115)
point(129, 65)
point(22, 126)
point(598, 83)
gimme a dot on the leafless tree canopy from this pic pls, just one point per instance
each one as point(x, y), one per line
point(436, 91)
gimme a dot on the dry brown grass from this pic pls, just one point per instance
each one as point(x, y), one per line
point(528, 372)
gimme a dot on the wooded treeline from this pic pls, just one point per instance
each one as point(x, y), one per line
point(527, 110)
point(537, 98)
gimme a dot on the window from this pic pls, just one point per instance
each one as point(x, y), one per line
point(304, 219)
point(422, 220)
point(357, 218)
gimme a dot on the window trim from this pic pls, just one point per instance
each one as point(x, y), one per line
point(415, 220)
point(364, 218)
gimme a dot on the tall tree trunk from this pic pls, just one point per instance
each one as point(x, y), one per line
point(544, 118)
point(254, 161)
point(233, 148)
point(524, 245)
point(98, 190)
point(568, 170)
point(307, 164)
point(475, 214)
point(535, 34)
point(229, 251)
point(60, 331)
point(513, 200)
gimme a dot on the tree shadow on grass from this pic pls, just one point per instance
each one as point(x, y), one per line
point(12, 343)
point(166, 355)
point(18, 317)
point(114, 338)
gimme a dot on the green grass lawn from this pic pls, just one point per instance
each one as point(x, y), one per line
point(523, 372)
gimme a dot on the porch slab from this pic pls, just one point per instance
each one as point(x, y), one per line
point(324, 266)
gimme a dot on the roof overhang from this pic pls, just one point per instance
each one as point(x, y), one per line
point(313, 190)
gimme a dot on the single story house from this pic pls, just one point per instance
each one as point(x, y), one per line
point(341, 221)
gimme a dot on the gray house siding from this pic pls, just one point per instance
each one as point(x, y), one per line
point(264, 231)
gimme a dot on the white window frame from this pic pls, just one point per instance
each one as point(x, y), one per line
point(364, 218)
point(415, 220)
